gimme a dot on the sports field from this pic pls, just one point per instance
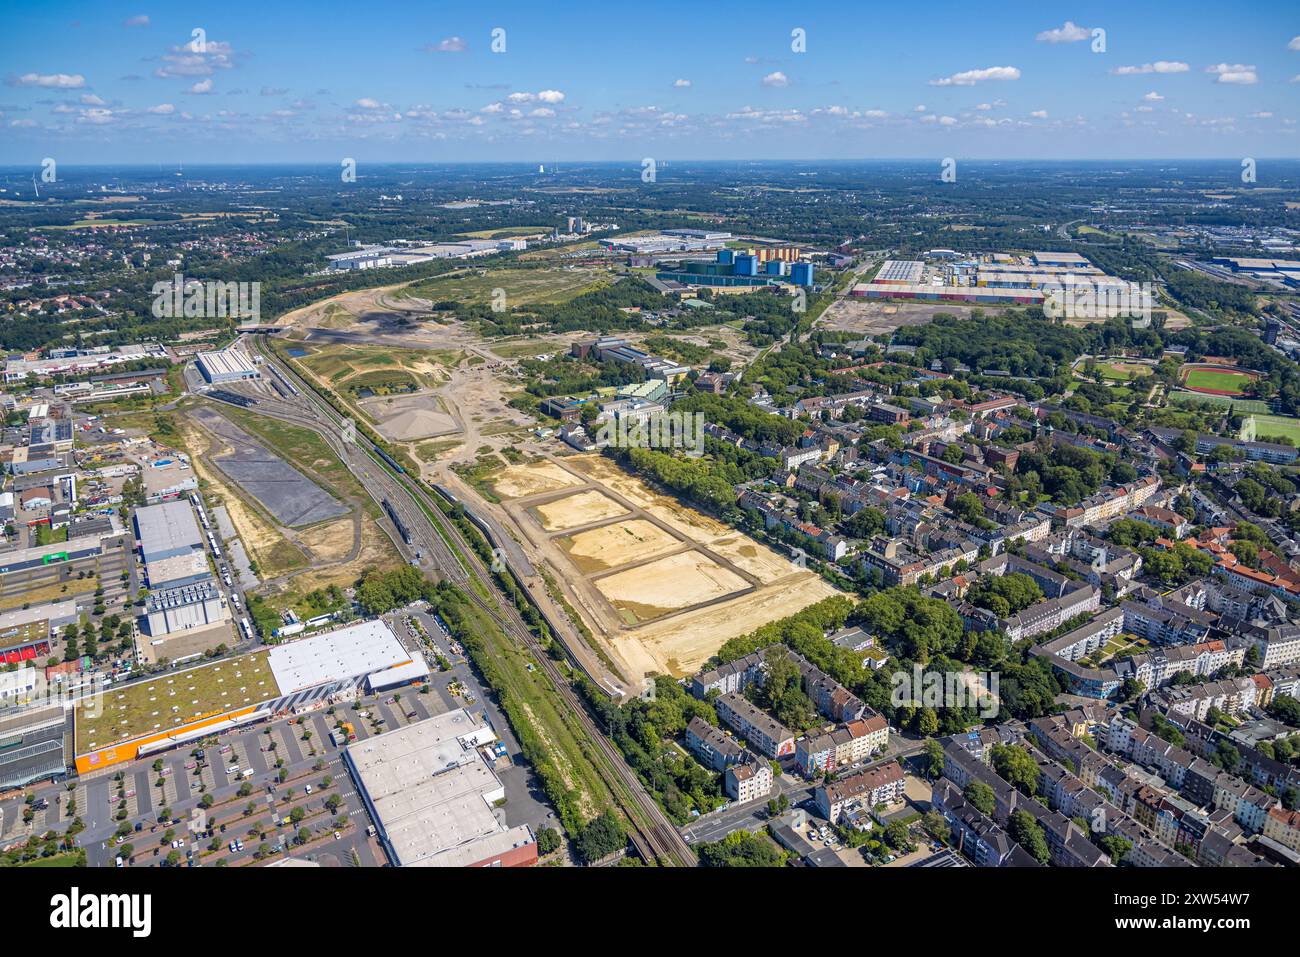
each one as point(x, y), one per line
point(1121, 371)
point(1237, 404)
point(1216, 380)
point(1268, 427)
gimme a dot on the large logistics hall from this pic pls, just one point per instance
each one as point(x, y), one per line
point(174, 708)
point(227, 365)
point(431, 792)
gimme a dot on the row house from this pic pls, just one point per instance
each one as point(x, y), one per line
point(1067, 844)
point(1277, 643)
point(1110, 502)
point(732, 677)
point(1283, 826)
point(1166, 624)
point(1129, 738)
point(1260, 769)
point(770, 737)
point(850, 743)
point(1045, 616)
point(1230, 696)
point(714, 747)
point(975, 835)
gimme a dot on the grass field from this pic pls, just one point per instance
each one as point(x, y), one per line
point(1274, 427)
point(1238, 404)
point(522, 286)
point(1120, 371)
point(503, 232)
point(1219, 381)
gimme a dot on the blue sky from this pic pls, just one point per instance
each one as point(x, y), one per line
point(379, 81)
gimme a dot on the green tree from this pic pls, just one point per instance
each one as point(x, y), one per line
point(981, 797)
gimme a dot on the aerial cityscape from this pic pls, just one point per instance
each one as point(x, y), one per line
point(537, 438)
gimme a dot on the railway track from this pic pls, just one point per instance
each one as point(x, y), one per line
point(653, 835)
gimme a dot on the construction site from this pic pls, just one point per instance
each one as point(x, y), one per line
point(661, 586)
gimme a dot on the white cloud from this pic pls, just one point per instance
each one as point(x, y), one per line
point(1294, 44)
point(368, 103)
point(1261, 115)
point(1153, 97)
point(90, 99)
point(776, 78)
point(201, 87)
point(1238, 73)
point(184, 61)
point(22, 124)
point(875, 114)
point(492, 108)
point(545, 96)
point(1039, 114)
point(141, 20)
point(96, 116)
point(1069, 33)
point(58, 81)
point(971, 77)
point(449, 45)
point(162, 109)
point(681, 84)
point(544, 112)
point(1160, 66)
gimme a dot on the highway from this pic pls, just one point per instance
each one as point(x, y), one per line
point(441, 545)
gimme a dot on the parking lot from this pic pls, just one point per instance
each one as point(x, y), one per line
point(256, 779)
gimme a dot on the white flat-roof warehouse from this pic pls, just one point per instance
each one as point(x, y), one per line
point(227, 365)
point(368, 648)
point(171, 544)
point(431, 794)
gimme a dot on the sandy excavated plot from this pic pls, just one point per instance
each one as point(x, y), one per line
point(686, 521)
point(680, 645)
point(646, 616)
point(605, 472)
point(612, 546)
point(534, 478)
point(660, 587)
point(571, 511)
point(758, 560)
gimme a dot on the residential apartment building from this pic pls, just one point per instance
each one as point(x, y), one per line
point(769, 736)
point(882, 784)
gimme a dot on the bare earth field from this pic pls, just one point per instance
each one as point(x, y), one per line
point(871, 317)
point(575, 510)
point(652, 609)
point(533, 478)
point(612, 546)
point(669, 584)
